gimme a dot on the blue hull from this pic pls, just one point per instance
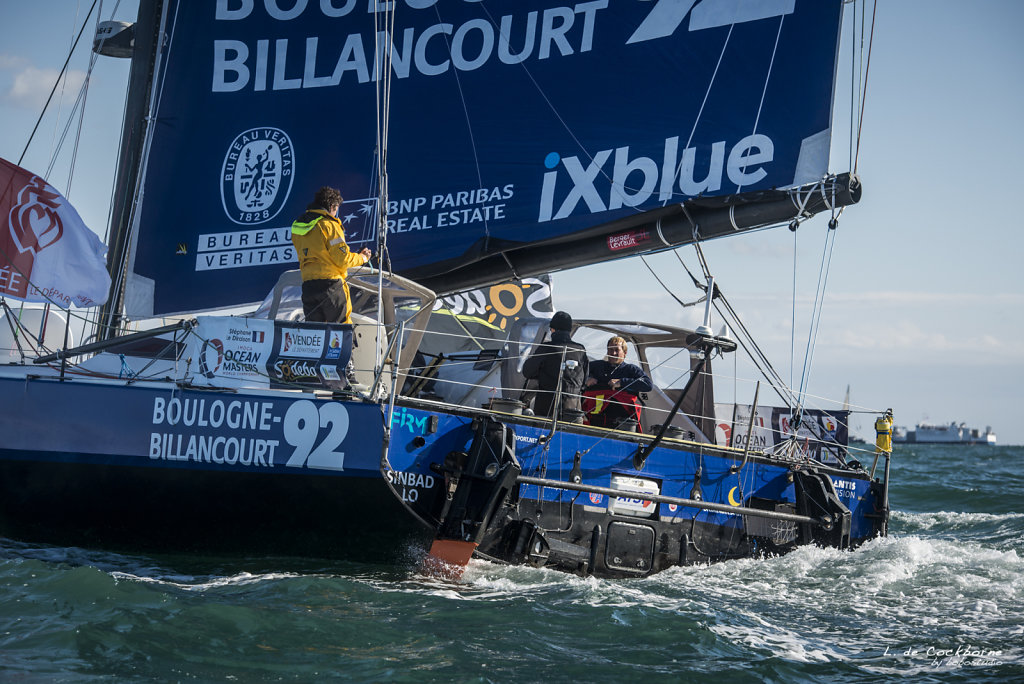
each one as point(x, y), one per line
point(168, 469)
point(576, 525)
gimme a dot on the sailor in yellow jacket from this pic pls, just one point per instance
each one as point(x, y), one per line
point(324, 259)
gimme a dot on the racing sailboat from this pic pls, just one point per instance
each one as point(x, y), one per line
point(479, 147)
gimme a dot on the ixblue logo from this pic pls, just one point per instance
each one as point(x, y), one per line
point(636, 180)
point(256, 177)
point(666, 16)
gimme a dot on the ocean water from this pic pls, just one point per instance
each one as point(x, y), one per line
point(941, 599)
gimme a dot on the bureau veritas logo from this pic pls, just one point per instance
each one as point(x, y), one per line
point(257, 175)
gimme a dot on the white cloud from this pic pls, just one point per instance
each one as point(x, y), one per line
point(904, 327)
point(12, 62)
point(28, 86)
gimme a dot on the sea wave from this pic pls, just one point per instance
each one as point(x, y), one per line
point(1002, 531)
point(200, 584)
point(928, 521)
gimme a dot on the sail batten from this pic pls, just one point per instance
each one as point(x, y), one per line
point(512, 129)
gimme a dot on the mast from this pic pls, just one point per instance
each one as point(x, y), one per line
point(133, 133)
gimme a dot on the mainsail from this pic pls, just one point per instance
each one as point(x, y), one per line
point(524, 137)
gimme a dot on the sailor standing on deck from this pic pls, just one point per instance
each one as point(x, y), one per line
point(324, 259)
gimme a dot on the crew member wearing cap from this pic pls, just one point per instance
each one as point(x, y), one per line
point(324, 259)
point(558, 358)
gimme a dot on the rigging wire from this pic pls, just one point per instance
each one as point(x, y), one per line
point(858, 82)
point(768, 76)
point(665, 287)
point(93, 56)
point(743, 336)
point(792, 317)
point(469, 130)
point(853, 80)
point(864, 91)
point(707, 92)
point(60, 77)
point(79, 107)
point(120, 151)
point(817, 307)
point(750, 346)
point(64, 84)
point(746, 340)
point(382, 18)
point(78, 131)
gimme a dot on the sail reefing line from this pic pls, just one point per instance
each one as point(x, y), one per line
point(859, 79)
point(469, 122)
point(767, 77)
point(554, 110)
point(707, 92)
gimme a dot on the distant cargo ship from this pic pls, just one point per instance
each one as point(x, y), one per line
point(953, 433)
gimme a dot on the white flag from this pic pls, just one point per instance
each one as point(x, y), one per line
point(47, 254)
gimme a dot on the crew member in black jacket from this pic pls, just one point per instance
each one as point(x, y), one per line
point(559, 356)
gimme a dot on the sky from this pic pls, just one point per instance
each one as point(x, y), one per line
point(924, 306)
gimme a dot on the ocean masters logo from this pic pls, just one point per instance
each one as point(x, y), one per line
point(257, 175)
point(211, 357)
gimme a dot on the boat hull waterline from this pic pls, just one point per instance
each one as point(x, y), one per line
point(157, 467)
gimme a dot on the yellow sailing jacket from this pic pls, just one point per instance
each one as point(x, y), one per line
point(319, 240)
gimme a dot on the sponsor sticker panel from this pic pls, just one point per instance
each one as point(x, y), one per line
point(310, 355)
point(231, 352)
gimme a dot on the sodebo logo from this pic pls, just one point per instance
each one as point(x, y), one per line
point(635, 180)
